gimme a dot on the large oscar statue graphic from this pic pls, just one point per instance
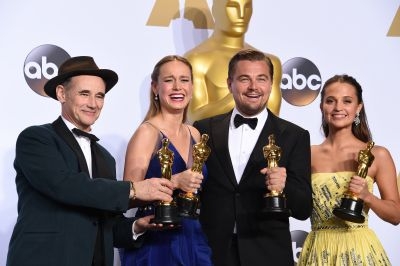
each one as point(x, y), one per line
point(166, 212)
point(274, 201)
point(188, 202)
point(351, 207)
point(210, 60)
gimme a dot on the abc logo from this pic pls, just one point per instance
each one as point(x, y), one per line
point(298, 238)
point(42, 64)
point(301, 81)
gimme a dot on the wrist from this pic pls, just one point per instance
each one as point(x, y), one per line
point(132, 191)
point(137, 230)
point(368, 199)
point(174, 181)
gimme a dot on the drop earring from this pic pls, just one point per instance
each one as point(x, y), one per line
point(357, 119)
point(156, 97)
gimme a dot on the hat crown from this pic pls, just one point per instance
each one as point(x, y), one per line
point(77, 64)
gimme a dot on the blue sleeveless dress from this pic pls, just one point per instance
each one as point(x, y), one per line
point(186, 245)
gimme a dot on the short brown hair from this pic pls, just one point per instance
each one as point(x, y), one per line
point(250, 55)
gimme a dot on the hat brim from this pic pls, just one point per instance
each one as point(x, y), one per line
point(109, 76)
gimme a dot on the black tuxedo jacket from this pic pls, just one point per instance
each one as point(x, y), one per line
point(60, 206)
point(224, 201)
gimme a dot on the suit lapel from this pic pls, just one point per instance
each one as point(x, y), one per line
point(62, 130)
point(221, 135)
point(100, 164)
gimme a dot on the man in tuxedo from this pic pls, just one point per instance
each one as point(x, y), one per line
point(70, 205)
point(232, 198)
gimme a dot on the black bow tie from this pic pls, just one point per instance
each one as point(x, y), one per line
point(85, 134)
point(240, 120)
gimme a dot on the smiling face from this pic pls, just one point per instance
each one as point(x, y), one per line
point(174, 86)
point(82, 99)
point(250, 86)
point(340, 105)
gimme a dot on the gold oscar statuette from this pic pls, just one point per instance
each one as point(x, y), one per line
point(351, 206)
point(166, 212)
point(188, 201)
point(274, 201)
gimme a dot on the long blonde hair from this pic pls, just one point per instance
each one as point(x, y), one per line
point(154, 107)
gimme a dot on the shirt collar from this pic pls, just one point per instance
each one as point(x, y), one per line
point(69, 124)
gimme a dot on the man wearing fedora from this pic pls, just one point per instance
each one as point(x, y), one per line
point(70, 205)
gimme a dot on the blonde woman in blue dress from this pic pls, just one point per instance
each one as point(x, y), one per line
point(333, 241)
point(170, 92)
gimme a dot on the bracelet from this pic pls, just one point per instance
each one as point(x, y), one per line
point(132, 191)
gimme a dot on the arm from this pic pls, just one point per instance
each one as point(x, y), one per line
point(387, 207)
point(122, 233)
point(213, 108)
point(206, 88)
point(275, 99)
point(140, 149)
point(138, 155)
point(46, 164)
point(298, 183)
point(189, 181)
point(200, 95)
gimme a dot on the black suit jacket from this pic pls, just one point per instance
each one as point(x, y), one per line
point(224, 201)
point(60, 206)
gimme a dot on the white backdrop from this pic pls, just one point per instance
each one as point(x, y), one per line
point(337, 36)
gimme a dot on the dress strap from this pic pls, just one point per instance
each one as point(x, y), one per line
point(151, 124)
point(161, 135)
point(192, 142)
point(191, 136)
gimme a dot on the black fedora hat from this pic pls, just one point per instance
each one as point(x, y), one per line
point(76, 66)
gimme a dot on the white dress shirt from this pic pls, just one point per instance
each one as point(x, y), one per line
point(241, 141)
point(84, 143)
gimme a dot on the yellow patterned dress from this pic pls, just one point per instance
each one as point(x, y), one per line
point(333, 241)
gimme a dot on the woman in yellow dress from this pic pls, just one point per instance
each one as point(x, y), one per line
point(334, 163)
